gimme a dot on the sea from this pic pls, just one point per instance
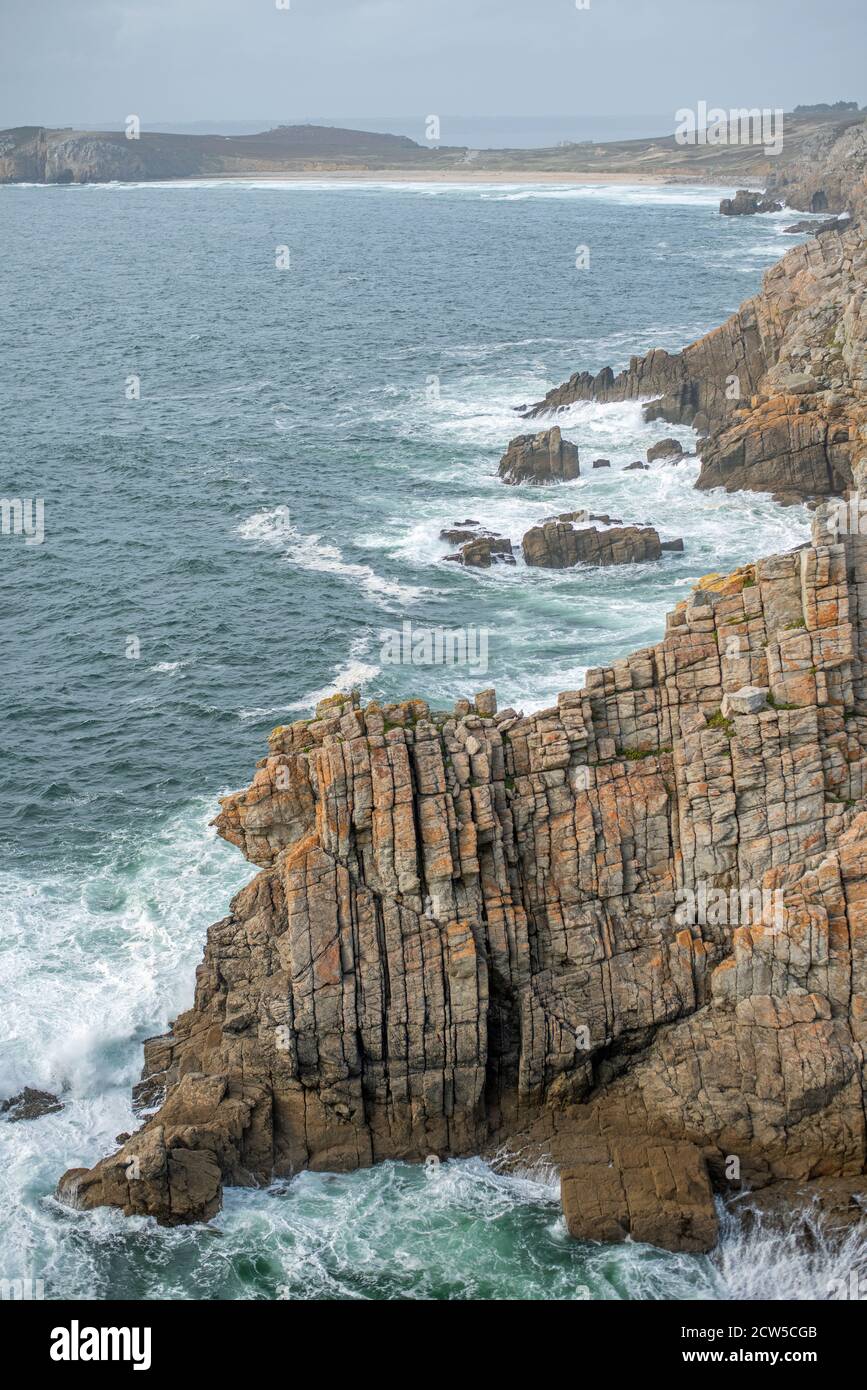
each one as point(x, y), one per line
point(248, 408)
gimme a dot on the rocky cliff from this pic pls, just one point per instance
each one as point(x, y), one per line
point(814, 142)
point(627, 934)
point(827, 171)
point(779, 391)
point(473, 930)
point(36, 154)
point(541, 458)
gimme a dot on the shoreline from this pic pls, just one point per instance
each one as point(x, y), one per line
point(446, 176)
point(437, 835)
point(450, 860)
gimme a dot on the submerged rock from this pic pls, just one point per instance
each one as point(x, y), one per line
point(748, 700)
point(30, 1104)
point(831, 224)
point(670, 449)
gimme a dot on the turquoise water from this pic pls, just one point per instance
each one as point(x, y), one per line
point(239, 541)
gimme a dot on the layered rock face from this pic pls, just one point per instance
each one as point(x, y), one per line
point(558, 545)
point(828, 171)
point(779, 390)
point(539, 458)
point(468, 930)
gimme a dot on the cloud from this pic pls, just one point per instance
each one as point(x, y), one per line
point(95, 60)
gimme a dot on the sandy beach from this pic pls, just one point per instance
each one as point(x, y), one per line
point(468, 175)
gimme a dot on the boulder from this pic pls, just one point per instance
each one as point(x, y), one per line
point(745, 204)
point(484, 551)
point(559, 545)
point(486, 703)
point(618, 1187)
point(539, 458)
point(750, 699)
point(670, 449)
point(601, 463)
point(30, 1104)
point(478, 547)
point(458, 535)
point(636, 466)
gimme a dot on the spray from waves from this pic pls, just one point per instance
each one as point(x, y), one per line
point(619, 195)
point(93, 959)
point(353, 674)
point(459, 1230)
point(804, 1262)
point(272, 527)
point(167, 668)
point(720, 530)
point(130, 927)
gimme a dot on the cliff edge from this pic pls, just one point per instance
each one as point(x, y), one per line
point(473, 930)
point(778, 392)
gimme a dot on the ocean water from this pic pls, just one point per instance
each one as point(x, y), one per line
point(238, 541)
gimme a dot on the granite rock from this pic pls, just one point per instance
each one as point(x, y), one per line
point(539, 458)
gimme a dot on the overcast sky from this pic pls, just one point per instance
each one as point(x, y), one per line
point(79, 62)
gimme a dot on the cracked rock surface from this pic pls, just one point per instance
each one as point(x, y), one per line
point(779, 391)
point(466, 931)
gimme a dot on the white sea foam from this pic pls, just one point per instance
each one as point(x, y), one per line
point(617, 194)
point(91, 962)
point(800, 1263)
point(309, 552)
point(352, 674)
point(88, 967)
point(622, 194)
point(714, 525)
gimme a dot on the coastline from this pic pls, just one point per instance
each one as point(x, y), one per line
point(48, 155)
point(478, 868)
point(467, 176)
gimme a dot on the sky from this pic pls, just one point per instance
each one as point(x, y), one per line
point(91, 62)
